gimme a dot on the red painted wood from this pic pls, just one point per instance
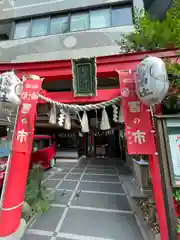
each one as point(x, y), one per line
point(158, 195)
point(14, 193)
point(106, 66)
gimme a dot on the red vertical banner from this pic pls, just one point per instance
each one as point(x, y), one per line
point(24, 129)
point(140, 140)
point(138, 125)
point(14, 191)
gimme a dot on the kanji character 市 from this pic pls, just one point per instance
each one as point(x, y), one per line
point(139, 137)
point(22, 136)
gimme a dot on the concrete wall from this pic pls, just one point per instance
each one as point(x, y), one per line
point(63, 46)
point(23, 8)
point(100, 42)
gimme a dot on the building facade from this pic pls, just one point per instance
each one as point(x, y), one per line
point(43, 30)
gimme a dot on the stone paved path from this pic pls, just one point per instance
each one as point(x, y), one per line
point(90, 204)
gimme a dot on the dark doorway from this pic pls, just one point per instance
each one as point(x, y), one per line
point(104, 145)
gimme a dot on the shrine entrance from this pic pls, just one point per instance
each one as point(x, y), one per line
point(139, 137)
point(105, 144)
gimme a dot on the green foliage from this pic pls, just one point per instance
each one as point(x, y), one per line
point(178, 224)
point(152, 34)
point(37, 196)
point(176, 194)
point(173, 69)
point(33, 189)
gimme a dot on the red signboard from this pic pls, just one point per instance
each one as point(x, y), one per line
point(24, 128)
point(138, 125)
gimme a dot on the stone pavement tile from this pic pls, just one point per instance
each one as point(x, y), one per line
point(80, 166)
point(58, 175)
point(101, 224)
point(99, 200)
point(66, 165)
point(101, 178)
point(48, 221)
point(68, 185)
point(35, 237)
point(51, 183)
point(74, 176)
point(102, 160)
point(125, 172)
point(78, 170)
point(101, 187)
point(83, 161)
point(101, 171)
point(50, 172)
point(47, 174)
point(61, 198)
point(131, 187)
point(94, 166)
point(66, 170)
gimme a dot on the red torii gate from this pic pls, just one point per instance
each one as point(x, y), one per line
point(106, 67)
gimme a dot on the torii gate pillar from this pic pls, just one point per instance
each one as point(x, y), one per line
point(16, 179)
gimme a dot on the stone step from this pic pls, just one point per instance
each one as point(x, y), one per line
point(133, 189)
point(67, 154)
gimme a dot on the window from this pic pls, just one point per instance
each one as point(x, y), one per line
point(59, 25)
point(35, 146)
point(40, 144)
point(100, 18)
point(122, 16)
point(39, 27)
point(21, 29)
point(79, 22)
point(46, 143)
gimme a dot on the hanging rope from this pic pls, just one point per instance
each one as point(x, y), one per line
point(78, 108)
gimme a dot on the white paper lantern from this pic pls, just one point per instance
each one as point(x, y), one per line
point(152, 81)
point(10, 90)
